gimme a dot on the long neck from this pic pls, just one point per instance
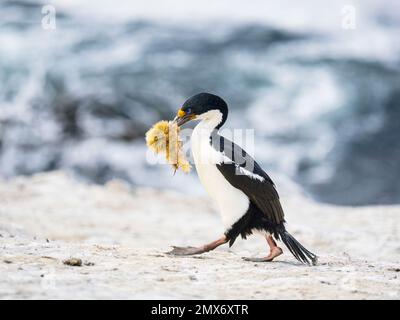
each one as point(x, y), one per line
point(203, 152)
point(211, 120)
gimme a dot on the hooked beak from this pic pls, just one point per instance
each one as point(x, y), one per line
point(182, 118)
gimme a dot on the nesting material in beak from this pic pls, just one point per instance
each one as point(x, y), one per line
point(163, 137)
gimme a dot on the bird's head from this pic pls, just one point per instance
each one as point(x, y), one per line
point(203, 106)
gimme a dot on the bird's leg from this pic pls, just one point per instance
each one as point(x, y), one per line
point(273, 252)
point(185, 251)
point(274, 249)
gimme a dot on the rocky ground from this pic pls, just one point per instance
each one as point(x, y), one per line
point(119, 236)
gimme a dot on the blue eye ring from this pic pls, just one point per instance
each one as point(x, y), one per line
point(188, 110)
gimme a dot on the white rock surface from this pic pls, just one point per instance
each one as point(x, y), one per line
point(120, 234)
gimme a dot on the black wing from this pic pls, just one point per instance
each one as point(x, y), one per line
point(244, 173)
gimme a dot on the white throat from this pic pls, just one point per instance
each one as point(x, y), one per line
point(203, 152)
point(210, 119)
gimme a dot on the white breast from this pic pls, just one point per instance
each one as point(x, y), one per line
point(232, 203)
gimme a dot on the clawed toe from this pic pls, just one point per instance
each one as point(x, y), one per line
point(275, 252)
point(266, 259)
point(184, 251)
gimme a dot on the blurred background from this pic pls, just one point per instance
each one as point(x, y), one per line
point(321, 91)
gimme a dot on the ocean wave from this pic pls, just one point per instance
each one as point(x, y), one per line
point(324, 102)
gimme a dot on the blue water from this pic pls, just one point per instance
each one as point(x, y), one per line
point(324, 101)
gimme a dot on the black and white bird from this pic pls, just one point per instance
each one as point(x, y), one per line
point(245, 195)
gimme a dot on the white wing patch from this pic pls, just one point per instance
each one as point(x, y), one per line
point(248, 173)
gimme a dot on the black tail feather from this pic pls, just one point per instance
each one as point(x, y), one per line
point(298, 251)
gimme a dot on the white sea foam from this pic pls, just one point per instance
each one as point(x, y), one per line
point(118, 67)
